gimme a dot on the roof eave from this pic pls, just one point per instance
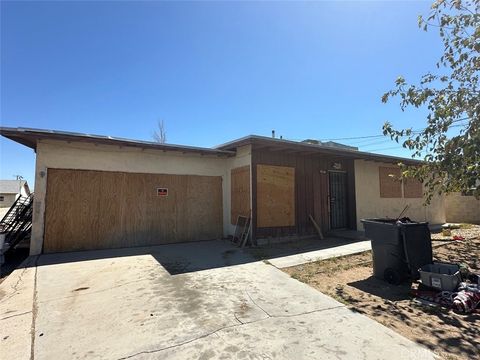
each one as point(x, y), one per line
point(30, 138)
point(266, 141)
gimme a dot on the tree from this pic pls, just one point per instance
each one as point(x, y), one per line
point(160, 134)
point(450, 142)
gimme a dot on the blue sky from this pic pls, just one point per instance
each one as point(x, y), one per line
point(213, 71)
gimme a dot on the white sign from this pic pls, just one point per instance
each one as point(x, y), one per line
point(436, 283)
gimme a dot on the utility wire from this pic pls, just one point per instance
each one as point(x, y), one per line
point(378, 136)
point(387, 148)
point(353, 138)
point(363, 139)
point(384, 141)
point(390, 140)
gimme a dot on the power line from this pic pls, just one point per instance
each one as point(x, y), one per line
point(390, 140)
point(366, 138)
point(384, 141)
point(388, 148)
point(363, 141)
point(377, 136)
point(353, 138)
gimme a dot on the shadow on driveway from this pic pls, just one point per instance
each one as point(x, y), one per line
point(175, 258)
point(196, 256)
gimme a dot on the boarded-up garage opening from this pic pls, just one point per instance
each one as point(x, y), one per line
point(98, 209)
point(275, 196)
point(240, 193)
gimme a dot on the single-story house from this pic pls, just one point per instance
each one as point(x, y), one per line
point(11, 190)
point(96, 192)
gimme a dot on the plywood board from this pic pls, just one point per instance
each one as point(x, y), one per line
point(275, 196)
point(412, 188)
point(390, 186)
point(99, 209)
point(240, 193)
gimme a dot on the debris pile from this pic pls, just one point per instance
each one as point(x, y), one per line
point(464, 298)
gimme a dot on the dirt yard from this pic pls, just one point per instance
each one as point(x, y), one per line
point(349, 280)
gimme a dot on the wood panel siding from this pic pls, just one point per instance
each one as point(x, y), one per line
point(240, 193)
point(99, 209)
point(390, 186)
point(275, 196)
point(311, 190)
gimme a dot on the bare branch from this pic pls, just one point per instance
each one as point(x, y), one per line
point(160, 134)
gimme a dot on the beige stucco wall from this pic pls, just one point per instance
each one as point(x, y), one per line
point(462, 209)
point(76, 155)
point(370, 205)
point(8, 200)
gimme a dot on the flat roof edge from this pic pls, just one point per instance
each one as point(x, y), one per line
point(29, 137)
point(256, 139)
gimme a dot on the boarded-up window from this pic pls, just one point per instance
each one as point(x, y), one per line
point(412, 188)
point(390, 186)
point(275, 196)
point(240, 192)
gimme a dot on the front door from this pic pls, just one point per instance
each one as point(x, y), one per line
point(338, 199)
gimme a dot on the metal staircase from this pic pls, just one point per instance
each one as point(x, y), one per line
point(17, 222)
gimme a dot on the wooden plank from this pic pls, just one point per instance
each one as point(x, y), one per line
point(317, 227)
point(240, 193)
point(99, 209)
point(275, 196)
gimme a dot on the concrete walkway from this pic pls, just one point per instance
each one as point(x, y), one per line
point(311, 256)
point(306, 251)
point(185, 301)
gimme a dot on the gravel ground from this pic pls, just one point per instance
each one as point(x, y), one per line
point(468, 231)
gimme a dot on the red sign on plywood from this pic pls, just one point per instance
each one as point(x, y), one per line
point(162, 192)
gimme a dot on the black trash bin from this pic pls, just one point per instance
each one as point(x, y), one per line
point(399, 249)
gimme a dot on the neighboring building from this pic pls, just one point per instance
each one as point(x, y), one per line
point(94, 192)
point(10, 190)
point(462, 208)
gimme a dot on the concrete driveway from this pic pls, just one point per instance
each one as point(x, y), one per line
point(204, 300)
